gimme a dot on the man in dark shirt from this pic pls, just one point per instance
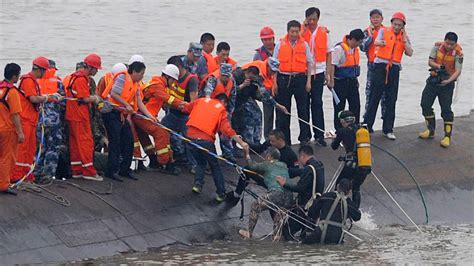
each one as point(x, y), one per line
point(313, 171)
point(332, 209)
point(347, 136)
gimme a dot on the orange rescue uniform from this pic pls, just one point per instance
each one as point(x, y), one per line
point(263, 68)
point(9, 105)
point(29, 120)
point(155, 95)
point(215, 66)
point(81, 142)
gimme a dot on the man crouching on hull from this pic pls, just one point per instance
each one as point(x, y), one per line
point(332, 209)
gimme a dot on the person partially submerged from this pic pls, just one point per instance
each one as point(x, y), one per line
point(332, 209)
point(276, 196)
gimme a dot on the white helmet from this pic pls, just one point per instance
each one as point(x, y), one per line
point(171, 71)
point(136, 58)
point(119, 67)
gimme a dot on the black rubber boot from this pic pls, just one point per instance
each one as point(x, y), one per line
point(356, 198)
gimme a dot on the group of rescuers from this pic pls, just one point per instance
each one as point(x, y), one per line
point(203, 95)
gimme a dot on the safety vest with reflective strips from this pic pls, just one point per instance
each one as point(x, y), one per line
point(263, 68)
point(5, 88)
point(351, 67)
point(206, 115)
point(220, 87)
point(129, 90)
point(371, 51)
point(394, 46)
point(443, 57)
point(180, 90)
point(49, 82)
point(292, 58)
point(155, 100)
point(211, 63)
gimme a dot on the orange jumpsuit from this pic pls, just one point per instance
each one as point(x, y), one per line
point(29, 120)
point(9, 104)
point(155, 95)
point(81, 142)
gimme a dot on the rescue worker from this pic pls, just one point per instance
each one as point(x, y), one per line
point(275, 196)
point(31, 98)
point(47, 163)
point(207, 116)
point(81, 142)
point(155, 95)
point(309, 187)
point(125, 95)
point(247, 117)
point(318, 38)
point(206, 61)
point(346, 69)
point(11, 132)
point(223, 56)
point(332, 210)
point(392, 43)
point(98, 129)
point(293, 78)
point(190, 60)
point(347, 136)
point(221, 81)
point(445, 60)
point(186, 90)
point(368, 46)
point(267, 36)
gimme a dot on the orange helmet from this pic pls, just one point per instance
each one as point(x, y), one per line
point(41, 62)
point(267, 32)
point(93, 60)
point(400, 16)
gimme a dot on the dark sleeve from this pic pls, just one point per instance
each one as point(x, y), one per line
point(315, 211)
point(303, 183)
point(335, 143)
point(353, 212)
point(320, 178)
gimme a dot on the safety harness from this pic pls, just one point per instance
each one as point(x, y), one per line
point(314, 195)
point(323, 224)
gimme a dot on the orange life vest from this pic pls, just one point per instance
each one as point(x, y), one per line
point(22, 93)
point(5, 87)
point(263, 68)
point(229, 61)
point(104, 83)
point(49, 82)
point(292, 58)
point(305, 32)
point(211, 63)
point(394, 46)
point(351, 67)
point(154, 103)
point(320, 48)
point(206, 115)
point(220, 87)
point(129, 90)
point(179, 91)
point(371, 51)
point(448, 59)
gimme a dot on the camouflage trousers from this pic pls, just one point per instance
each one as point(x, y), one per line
point(48, 158)
point(248, 121)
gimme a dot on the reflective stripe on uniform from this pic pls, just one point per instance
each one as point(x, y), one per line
point(162, 151)
point(149, 147)
point(76, 163)
point(87, 164)
point(136, 144)
point(24, 164)
point(171, 99)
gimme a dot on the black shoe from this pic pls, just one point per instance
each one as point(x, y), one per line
point(170, 169)
point(129, 175)
point(231, 199)
point(141, 166)
point(10, 191)
point(321, 141)
point(115, 177)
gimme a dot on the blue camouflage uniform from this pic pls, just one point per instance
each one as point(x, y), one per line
point(52, 120)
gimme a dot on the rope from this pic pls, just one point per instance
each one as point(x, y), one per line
point(39, 189)
point(334, 178)
point(396, 203)
point(38, 152)
point(412, 177)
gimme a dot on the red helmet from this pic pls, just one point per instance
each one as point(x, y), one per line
point(267, 32)
point(93, 60)
point(400, 16)
point(41, 62)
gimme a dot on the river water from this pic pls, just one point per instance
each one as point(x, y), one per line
point(68, 30)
